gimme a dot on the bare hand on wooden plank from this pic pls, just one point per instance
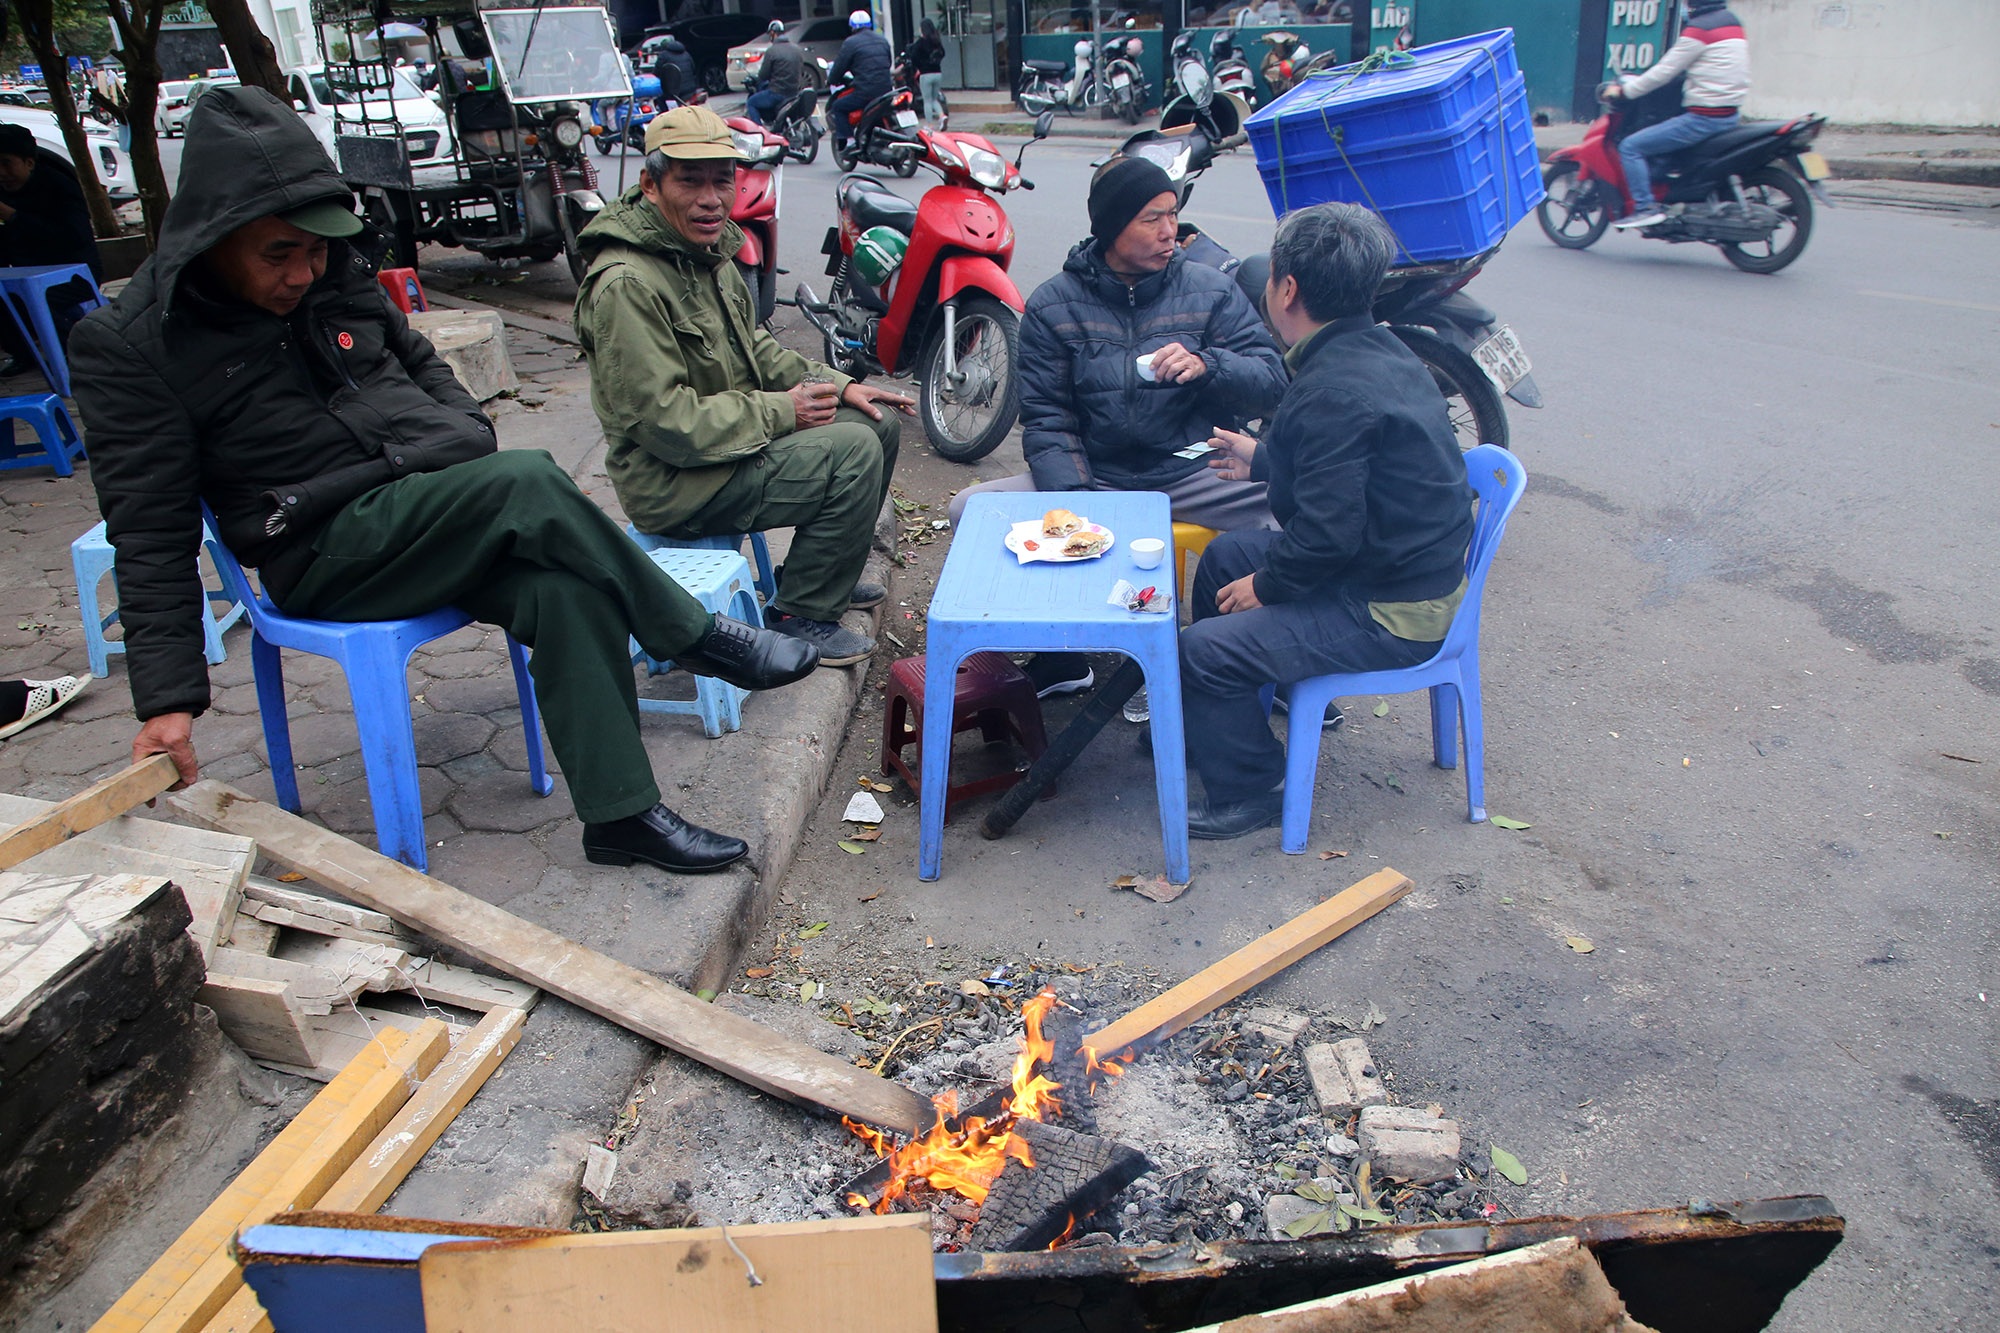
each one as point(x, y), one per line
point(1266, 956)
point(628, 997)
point(122, 791)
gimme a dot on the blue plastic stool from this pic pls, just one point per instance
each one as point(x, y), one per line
point(92, 558)
point(720, 581)
point(760, 551)
point(1452, 676)
point(375, 657)
point(27, 291)
point(57, 433)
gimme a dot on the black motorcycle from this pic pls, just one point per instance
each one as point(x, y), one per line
point(883, 134)
point(794, 120)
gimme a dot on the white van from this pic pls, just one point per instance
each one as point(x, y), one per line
point(368, 99)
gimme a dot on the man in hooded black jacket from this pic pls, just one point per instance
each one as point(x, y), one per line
point(254, 364)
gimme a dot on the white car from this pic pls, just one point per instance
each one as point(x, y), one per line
point(373, 101)
point(114, 169)
point(170, 112)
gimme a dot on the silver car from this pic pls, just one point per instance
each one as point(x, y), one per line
point(820, 37)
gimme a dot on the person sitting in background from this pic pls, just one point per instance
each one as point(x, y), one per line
point(1369, 489)
point(780, 75)
point(1715, 56)
point(1091, 420)
point(710, 426)
point(43, 220)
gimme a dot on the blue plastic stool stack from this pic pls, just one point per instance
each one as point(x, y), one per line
point(760, 551)
point(374, 655)
point(57, 433)
point(91, 557)
point(721, 582)
point(27, 293)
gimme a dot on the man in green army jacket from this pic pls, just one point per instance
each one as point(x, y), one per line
point(709, 425)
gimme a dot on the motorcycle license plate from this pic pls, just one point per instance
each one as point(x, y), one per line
point(906, 120)
point(1815, 166)
point(1121, 80)
point(1503, 358)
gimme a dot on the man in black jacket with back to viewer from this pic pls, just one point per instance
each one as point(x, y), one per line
point(43, 220)
point(254, 363)
point(866, 64)
point(1375, 515)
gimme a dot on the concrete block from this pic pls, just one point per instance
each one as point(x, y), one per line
point(1344, 1077)
point(474, 344)
point(1275, 1027)
point(1408, 1143)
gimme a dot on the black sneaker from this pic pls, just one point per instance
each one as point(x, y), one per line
point(1059, 673)
point(838, 646)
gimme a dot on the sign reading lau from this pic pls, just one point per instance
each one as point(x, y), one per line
point(1636, 37)
point(1392, 27)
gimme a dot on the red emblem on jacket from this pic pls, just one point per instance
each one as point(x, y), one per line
point(346, 342)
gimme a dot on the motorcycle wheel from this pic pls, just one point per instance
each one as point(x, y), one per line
point(1776, 188)
point(1573, 214)
point(966, 420)
point(905, 165)
point(1033, 104)
point(1471, 398)
point(1128, 110)
point(808, 130)
point(763, 294)
point(602, 143)
point(844, 155)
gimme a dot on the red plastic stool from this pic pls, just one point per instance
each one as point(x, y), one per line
point(992, 695)
point(403, 289)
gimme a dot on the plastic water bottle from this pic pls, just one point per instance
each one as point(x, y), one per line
point(1137, 709)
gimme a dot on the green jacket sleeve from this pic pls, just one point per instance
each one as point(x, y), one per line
point(641, 384)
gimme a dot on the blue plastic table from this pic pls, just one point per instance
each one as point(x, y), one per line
point(987, 599)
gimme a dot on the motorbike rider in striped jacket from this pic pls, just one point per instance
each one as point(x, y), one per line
point(1714, 55)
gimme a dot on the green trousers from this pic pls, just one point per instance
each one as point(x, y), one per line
point(511, 541)
point(827, 483)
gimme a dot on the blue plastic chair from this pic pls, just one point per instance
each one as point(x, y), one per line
point(91, 557)
point(760, 551)
point(720, 581)
point(27, 292)
point(1452, 676)
point(375, 657)
point(57, 433)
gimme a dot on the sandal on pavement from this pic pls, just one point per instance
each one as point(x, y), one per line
point(44, 698)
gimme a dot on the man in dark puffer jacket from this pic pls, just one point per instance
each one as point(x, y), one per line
point(254, 363)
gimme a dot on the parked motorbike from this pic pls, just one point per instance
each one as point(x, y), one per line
point(624, 122)
point(1194, 101)
point(1748, 191)
point(795, 123)
point(1233, 75)
point(884, 133)
point(942, 307)
point(758, 186)
point(1473, 357)
point(1051, 85)
point(1125, 81)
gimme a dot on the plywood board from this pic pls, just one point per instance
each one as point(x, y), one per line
point(846, 1275)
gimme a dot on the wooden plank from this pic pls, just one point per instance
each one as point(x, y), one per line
point(251, 935)
point(367, 1185)
point(625, 995)
point(319, 990)
point(264, 1018)
point(1219, 983)
point(843, 1275)
point(284, 906)
point(331, 1152)
point(378, 967)
point(339, 1036)
point(129, 787)
point(445, 984)
point(224, 1217)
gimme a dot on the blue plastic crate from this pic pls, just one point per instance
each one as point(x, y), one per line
point(1441, 145)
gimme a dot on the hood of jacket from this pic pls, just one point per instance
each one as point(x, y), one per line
point(633, 221)
point(248, 156)
point(1086, 260)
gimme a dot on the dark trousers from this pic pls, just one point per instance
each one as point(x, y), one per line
point(1226, 659)
point(827, 483)
point(836, 111)
point(511, 541)
point(759, 105)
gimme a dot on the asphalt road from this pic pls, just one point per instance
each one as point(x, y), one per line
point(1742, 654)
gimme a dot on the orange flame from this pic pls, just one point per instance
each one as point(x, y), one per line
point(1113, 1067)
point(1069, 1229)
point(966, 1158)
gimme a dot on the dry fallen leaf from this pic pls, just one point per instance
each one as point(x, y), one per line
point(1125, 882)
point(1081, 967)
point(1329, 856)
point(870, 897)
point(757, 972)
point(974, 987)
point(290, 877)
point(1580, 944)
point(864, 835)
point(881, 786)
point(1160, 889)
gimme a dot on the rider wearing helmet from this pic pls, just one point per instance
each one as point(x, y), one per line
point(866, 63)
point(1715, 55)
point(1283, 61)
point(780, 75)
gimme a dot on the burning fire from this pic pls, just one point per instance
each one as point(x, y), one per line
point(966, 1158)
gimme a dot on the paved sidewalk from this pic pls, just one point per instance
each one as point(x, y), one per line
point(515, 1154)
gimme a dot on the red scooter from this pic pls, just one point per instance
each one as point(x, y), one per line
point(948, 313)
point(758, 187)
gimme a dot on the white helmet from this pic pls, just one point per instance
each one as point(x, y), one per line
point(860, 19)
point(1081, 48)
point(777, 28)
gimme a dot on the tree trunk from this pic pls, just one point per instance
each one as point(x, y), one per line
point(139, 33)
point(38, 30)
point(256, 60)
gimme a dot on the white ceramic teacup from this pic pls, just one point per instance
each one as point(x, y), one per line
point(1145, 364)
point(1148, 552)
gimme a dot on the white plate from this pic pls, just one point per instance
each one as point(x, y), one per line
point(1049, 549)
point(906, 120)
point(1503, 358)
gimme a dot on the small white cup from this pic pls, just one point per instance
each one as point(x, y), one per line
point(1148, 552)
point(1145, 364)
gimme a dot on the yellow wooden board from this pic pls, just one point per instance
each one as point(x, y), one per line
point(848, 1275)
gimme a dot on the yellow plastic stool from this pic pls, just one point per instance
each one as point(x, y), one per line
point(1188, 537)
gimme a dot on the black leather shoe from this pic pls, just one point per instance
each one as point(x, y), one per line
point(749, 658)
point(661, 838)
point(1215, 823)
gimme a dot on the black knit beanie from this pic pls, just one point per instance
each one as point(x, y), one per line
point(1120, 192)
